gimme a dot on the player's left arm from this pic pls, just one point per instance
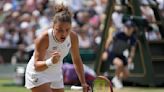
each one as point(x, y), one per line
point(76, 58)
point(132, 50)
point(131, 54)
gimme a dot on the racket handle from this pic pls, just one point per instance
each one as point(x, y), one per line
point(80, 88)
point(76, 88)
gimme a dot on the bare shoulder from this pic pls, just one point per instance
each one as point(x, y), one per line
point(42, 39)
point(73, 36)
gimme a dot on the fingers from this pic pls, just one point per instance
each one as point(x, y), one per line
point(86, 88)
point(56, 56)
point(56, 53)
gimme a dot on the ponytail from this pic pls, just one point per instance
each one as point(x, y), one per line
point(62, 14)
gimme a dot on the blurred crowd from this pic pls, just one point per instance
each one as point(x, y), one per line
point(21, 21)
point(148, 9)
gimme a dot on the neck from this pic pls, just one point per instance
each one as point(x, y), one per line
point(128, 33)
point(54, 37)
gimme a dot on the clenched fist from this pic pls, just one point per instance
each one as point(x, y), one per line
point(56, 57)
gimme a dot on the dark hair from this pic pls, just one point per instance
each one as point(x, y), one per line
point(130, 23)
point(62, 14)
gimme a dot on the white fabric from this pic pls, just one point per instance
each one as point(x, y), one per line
point(84, 43)
point(57, 84)
point(53, 72)
point(117, 20)
point(117, 83)
point(49, 62)
point(161, 4)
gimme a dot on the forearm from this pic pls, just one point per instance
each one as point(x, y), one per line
point(132, 52)
point(108, 43)
point(40, 66)
point(80, 71)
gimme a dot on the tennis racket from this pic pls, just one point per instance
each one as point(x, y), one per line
point(100, 84)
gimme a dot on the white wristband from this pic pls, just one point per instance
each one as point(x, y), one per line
point(49, 62)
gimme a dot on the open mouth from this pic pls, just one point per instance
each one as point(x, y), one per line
point(62, 38)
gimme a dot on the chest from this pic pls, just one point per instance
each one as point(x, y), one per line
point(62, 48)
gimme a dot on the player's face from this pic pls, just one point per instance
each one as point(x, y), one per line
point(61, 30)
point(129, 30)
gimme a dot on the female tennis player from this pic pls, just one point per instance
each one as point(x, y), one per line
point(44, 70)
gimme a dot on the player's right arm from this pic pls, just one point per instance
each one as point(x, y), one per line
point(107, 44)
point(109, 40)
point(41, 45)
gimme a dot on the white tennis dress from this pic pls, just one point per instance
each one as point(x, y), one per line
point(52, 74)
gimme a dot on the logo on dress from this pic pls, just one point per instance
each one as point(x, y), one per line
point(34, 78)
point(68, 44)
point(54, 48)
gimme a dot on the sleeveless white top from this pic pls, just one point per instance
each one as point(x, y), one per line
point(54, 72)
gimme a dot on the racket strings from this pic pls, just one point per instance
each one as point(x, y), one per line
point(101, 85)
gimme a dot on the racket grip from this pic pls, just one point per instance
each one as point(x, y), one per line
point(80, 88)
point(76, 88)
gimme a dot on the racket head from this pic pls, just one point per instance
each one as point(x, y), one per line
point(102, 84)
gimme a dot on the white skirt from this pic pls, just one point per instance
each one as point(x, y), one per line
point(34, 79)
